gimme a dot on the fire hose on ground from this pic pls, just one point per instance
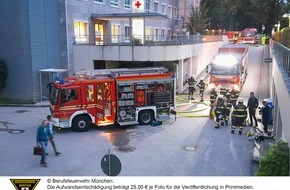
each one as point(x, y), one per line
point(200, 111)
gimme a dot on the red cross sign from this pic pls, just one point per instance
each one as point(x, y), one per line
point(137, 4)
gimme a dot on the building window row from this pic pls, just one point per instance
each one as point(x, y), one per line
point(127, 4)
point(82, 36)
point(99, 1)
point(115, 3)
point(157, 8)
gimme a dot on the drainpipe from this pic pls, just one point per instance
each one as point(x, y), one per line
point(67, 36)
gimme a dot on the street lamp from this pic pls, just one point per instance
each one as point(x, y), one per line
point(288, 16)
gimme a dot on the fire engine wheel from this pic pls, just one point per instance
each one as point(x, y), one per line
point(81, 123)
point(145, 117)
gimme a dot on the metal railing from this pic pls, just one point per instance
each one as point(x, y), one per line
point(148, 40)
point(282, 54)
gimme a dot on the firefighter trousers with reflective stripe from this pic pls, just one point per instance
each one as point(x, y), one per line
point(239, 122)
point(219, 121)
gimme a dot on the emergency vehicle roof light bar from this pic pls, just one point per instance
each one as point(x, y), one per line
point(122, 71)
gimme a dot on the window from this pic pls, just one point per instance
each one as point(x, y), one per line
point(68, 95)
point(115, 3)
point(99, 1)
point(148, 34)
point(128, 4)
point(147, 6)
point(162, 34)
point(90, 93)
point(156, 34)
point(127, 34)
point(81, 31)
point(174, 12)
point(115, 30)
point(156, 6)
point(169, 34)
point(169, 11)
point(163, 9)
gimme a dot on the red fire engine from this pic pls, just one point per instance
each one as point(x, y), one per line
point(250, 36)
point(113, 96)
point(234, 37)
point(228, 69)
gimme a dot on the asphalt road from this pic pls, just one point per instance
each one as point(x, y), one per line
point(189, 146)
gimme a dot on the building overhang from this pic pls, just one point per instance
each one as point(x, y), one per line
point(126, 16)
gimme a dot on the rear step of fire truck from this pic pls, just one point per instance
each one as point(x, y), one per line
point(128, 123)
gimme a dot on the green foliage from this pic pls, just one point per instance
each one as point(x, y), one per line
point(240, 14)
point(276, 161)
point(283, 37)
point(198, 20)
point(3, 73)
point(285, 40)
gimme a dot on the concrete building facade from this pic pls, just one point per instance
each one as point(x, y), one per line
point(56, 34)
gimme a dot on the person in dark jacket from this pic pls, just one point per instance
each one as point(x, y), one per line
point(220, 112)
point(42, 139)
point(239, 116)
point(252, 106)
point(201, 86)
point(191, 87)
point(265, 112)
point(213, 96)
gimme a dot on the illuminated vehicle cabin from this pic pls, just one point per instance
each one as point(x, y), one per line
point(228, 69)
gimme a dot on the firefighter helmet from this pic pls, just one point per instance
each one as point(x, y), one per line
point(220, 99)
point(240, 101)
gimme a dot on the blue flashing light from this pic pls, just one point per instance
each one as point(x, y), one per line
point(59, 80)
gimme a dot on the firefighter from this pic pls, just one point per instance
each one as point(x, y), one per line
point(201, 86)
point(234, 97)
point(213, 96)
point(191, 87)
point(219, 112)
point(239, 116)
point(228, 107)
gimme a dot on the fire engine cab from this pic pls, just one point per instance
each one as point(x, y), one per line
point(113, 96)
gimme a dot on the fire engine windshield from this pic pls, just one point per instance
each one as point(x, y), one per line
point(53, 95)
point(222, 70)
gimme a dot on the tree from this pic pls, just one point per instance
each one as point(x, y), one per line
point(198, 19)
point(3, 73)
point(240, 14)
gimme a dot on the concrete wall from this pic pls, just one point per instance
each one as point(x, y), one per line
point(29, 41)
point(280, 91)
point(189, 60)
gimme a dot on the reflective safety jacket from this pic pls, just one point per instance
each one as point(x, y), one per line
point(191, 82)
point(201, 86)
point(220, 109)
point(213, 95)
point(240, 111)
point(228, 105)
point(234, 96)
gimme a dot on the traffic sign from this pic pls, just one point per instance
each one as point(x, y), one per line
point(111, 164)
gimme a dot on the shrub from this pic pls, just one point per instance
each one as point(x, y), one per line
point(3, 73)
point(276, 161)
point(285, 40)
